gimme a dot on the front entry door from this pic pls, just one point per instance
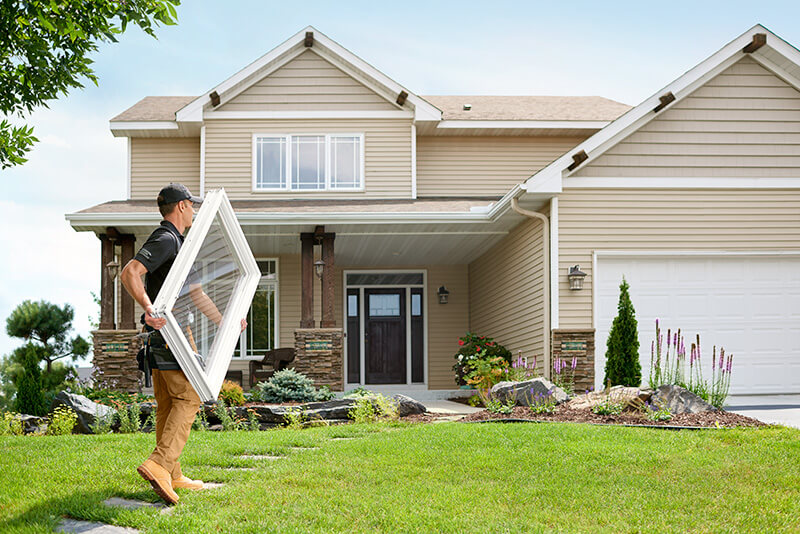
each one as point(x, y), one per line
point(385, 336)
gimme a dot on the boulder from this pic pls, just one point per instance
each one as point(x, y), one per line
point(679, 400)
point(407, 406)
point(526, 392)
point(332, 409)
point(31, 423)
point(86, 409)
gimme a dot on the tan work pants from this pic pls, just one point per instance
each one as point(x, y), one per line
point(177, 407)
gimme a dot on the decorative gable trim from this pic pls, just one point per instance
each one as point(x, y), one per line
point(777, 56)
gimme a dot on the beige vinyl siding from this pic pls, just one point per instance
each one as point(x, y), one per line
point(308, 83)
point(482, 166)
point(745, 122)
point(660, 219)
point(446, 322)
point(155, 162)
point(506, 291)
point(387, 154)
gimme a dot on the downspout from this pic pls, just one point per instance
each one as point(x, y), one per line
point(546, 283)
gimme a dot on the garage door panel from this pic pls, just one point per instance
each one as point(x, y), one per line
point(748, 304)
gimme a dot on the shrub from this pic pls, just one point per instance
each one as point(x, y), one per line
point(102, 423)
point(200, 422)
point(622, 354)
point(232, 393)
point(473, 348)
point(290, 386)
point(226, 416)
point(129, 417)
point(62, 421)
point(521, 370)
point(368, 409)
point(294, 417)
point(10, 425)
point(252, 420)
point(608, 407)
point(30, 389)
point(485, 373)
point(360, 391)
point(112, 397)
point(564, 374)
point(498, 406)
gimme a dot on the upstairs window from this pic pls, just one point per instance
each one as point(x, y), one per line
point(308, 162)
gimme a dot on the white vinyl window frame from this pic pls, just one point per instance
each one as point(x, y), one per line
point(208, 381)
point(276, 323)
point(286, 182)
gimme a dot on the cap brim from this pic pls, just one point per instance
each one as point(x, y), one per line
point(196, 200)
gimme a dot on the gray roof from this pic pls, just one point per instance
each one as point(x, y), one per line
point(499, 108)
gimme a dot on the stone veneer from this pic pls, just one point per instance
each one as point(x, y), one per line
point(319, 354)
point(568, 343)
point(115, 359)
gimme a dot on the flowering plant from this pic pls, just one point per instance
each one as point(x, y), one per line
point(473, 349)
point(564, 374)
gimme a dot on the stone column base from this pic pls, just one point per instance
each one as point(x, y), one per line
point(115, 360)
point(570, 343)
point(319, 354)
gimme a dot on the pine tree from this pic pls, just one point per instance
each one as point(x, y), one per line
point(622, 354)
point(30, 395)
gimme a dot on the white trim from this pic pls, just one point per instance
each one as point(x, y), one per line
point(207, 382)
point(211, 115)
point(202, 161)
point(637, 117)
point(681, 183)
point(128, 164)
point(554, 264)
point(522, 124)
point(777, 70)
point(362, 322)
point(413, 161)
point(193, 112)
point(142, 125)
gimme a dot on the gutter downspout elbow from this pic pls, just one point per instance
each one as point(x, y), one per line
point(546, 283)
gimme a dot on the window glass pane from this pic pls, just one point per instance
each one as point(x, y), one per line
point(267, 268)
point(416, 305)
point(345, 162)
point(308, 162)
point(206, 293)
point(352, 305)
point(260, 331)
point(384, 279)
point(270, 162)
point(384, 305)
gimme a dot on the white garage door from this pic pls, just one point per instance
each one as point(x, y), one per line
point(748, 304)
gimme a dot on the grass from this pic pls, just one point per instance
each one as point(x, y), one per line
point(445, 477)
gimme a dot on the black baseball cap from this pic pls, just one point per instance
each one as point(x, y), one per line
point(175, 193)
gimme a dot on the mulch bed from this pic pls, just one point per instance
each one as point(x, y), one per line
point(564, 413)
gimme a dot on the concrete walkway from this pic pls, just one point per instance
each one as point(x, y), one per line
point(773, 409)
point(449, 407)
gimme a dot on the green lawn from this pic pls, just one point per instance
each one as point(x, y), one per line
point(446, 477)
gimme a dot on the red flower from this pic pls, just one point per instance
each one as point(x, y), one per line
point(461, 343)
point(490, 344)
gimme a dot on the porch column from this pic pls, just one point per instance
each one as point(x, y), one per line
point(307, 280)
point(127, 319)
point(328, 319)
point(106, 283)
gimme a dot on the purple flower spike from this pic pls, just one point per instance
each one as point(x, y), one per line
point(656, 322)
point(574, 362)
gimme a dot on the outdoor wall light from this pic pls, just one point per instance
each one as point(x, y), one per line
point(112, 268)
point(319, 266)
point(443, 294)
point(576, 277)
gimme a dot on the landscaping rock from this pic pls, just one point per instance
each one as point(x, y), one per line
point(407, 406)
point(86, 409)
point(521, 391)
point(332, 409)
point(630, 397)
point(31, 423)
point(679, 400)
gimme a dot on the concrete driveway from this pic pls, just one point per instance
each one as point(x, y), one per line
point(775, 409)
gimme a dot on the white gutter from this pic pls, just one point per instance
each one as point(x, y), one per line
point(546, 279)
point(521, 124)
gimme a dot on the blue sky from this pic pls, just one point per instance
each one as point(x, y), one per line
point(625, 51)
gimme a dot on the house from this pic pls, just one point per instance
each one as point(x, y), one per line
point(430, 216)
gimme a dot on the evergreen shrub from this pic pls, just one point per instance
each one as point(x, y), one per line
point(622, 353)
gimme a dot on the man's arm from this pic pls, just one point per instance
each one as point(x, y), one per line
point(131, 278)
point(204, 303)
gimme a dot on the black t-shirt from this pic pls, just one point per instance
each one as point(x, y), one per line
point(157, 255)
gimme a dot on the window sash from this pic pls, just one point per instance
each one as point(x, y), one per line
point(336, 164)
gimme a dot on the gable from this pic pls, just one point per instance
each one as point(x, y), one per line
point(744, 122)
point(308, 83)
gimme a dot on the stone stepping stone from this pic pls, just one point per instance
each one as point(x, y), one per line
point(131, 504)
point(303, 448)
point(260, 457)
point(342, 439)
point(236, 468)
point(215, 485)
point(87, 527)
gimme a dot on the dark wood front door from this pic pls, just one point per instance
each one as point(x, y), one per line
point(385, 336)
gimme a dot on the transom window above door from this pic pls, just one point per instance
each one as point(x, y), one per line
point(318, 162)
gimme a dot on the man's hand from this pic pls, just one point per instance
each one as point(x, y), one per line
point(244, 325)
point(155, 322)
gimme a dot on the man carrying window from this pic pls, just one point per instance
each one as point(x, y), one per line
point(177, 402)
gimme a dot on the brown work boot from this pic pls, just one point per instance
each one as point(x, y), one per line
point(160, 479)
point(186, 482)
